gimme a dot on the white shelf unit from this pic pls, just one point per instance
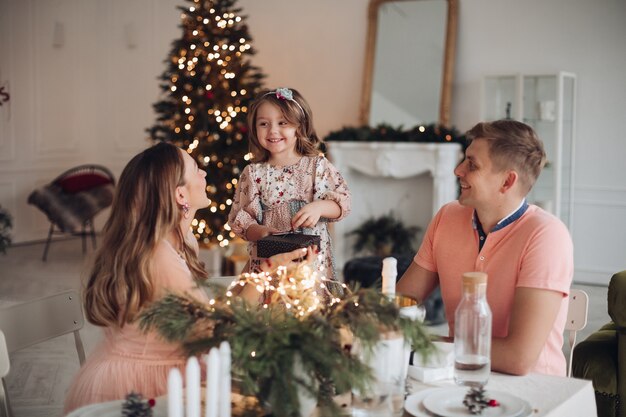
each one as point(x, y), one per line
point(547, 102)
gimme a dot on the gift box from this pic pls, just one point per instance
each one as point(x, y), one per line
point(275, 244)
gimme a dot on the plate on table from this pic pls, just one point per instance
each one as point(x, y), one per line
point(413, 403)
point(448, 402)
point(109, 409)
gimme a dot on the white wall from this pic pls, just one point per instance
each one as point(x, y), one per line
point(317, 47)
point(81, 77)
point(587, 38)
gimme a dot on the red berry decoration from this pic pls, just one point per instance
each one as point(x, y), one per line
point(493, 403)
point(476, 401)
point(152, 402)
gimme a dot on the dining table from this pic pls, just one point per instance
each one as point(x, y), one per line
point(536, 395)
point(542, 395)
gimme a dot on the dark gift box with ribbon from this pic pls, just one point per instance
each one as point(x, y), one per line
point(275, 244)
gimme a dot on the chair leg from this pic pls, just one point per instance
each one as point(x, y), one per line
point(83, 236)
point(45, 249)
point(5, 406)
point(93, 234)
point(79, 347)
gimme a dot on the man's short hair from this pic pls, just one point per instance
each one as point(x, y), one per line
point(512, 145)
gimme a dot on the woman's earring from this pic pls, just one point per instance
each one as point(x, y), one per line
point(186, 210)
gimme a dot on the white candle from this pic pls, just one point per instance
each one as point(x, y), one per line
point(212, 386)
point(389, 273)
point(224, 405)
point(174, 393)
point(192, 378)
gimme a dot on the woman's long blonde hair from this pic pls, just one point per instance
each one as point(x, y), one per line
point(144, 212)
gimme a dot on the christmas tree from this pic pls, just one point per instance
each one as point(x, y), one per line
point(207, 87)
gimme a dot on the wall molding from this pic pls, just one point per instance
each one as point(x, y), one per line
point(600, 195)
point(608, 203)
point(7, 111)
point(588, 187)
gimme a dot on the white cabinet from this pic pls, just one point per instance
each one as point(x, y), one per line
point(546, 102)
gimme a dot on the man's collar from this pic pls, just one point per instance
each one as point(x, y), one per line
point(510, 218)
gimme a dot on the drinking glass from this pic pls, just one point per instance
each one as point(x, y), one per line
point(389, 362)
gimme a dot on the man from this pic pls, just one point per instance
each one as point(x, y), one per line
point(526, 252)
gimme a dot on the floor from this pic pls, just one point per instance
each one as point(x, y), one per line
point(40, 375)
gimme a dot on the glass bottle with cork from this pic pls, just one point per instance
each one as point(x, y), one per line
point(472, 332)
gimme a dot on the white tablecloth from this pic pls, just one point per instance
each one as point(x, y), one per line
point(549, 396)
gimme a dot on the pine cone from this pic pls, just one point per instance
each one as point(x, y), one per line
point(476, 401)
point(136, 406)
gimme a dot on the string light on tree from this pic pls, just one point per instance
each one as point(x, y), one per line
point(206, 88)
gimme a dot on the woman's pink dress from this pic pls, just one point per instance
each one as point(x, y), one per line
point(129, 359)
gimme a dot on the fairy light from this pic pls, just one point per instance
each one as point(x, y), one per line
point(205, 50)
point(300, 289)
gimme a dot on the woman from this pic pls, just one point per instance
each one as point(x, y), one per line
point(147, 251)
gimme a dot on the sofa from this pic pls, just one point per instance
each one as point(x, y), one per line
point(601, 357)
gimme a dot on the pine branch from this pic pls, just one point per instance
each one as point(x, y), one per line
point(267, 342)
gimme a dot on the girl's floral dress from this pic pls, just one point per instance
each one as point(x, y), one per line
point(269, 195)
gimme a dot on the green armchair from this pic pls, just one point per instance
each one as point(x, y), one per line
point(601, 357)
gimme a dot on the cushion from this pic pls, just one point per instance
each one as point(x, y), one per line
point(69, 211)
point(595, 358)
point(82, 181)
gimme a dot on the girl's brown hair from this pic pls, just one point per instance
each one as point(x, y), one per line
point(143, 213)
point(296, 112)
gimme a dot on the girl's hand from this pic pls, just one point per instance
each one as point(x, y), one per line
point(257, 231)
point(309, 215)
point(286, 258)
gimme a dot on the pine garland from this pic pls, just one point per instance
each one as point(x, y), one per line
point(267, 341)
point(426, 133)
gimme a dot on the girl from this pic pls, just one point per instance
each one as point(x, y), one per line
point(292, 186)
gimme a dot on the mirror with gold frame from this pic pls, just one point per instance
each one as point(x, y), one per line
point(409, 62)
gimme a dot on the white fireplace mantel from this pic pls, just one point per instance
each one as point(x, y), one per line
point(411, 179)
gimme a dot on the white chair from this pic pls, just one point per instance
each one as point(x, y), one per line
point(4, 371)
point(576, 320)
point(31, 322)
